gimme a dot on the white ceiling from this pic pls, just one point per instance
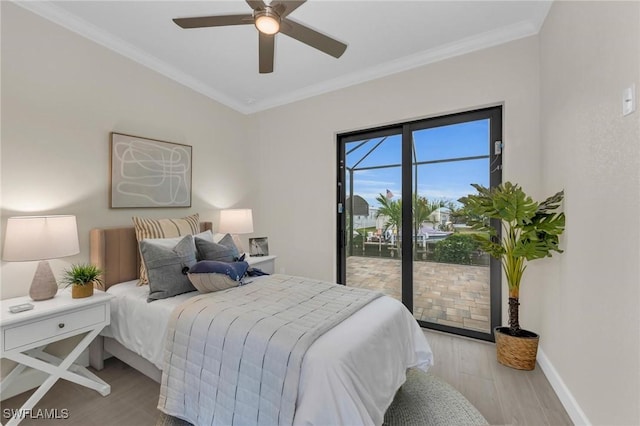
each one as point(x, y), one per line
point(383, 37)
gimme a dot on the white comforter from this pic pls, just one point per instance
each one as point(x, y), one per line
point(349, 375)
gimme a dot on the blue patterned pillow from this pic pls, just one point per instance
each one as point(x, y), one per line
point(211, 275)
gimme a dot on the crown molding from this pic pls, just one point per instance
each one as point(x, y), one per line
point(471, 44)
point(53, 13)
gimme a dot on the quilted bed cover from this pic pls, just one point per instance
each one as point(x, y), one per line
point(349, 375)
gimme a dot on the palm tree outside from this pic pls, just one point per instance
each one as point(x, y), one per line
point(422, 210)
point(392, 211)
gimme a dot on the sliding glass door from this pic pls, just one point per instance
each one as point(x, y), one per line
point(420, 251)
point(372, 171)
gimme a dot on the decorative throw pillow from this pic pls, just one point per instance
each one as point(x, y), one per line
point(204, 235)
point(227, 241)
point(171, 242)
point(211, 275)
point(163, 228)
point(167, 267)
point(221, 252)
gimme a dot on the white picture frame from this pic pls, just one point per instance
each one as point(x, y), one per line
point(259, 246)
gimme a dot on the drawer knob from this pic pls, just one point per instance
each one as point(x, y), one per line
point(61, 325)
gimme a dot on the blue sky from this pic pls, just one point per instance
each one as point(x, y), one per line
point(449, 181)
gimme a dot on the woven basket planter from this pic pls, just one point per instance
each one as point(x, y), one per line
point(516, 351)
point(80, 291)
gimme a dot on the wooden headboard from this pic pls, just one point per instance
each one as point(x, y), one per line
point(115, 251)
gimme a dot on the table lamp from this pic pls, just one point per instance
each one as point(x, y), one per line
point(235, 222)
point(30, 238)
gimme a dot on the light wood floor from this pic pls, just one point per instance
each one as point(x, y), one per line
point(503, 395)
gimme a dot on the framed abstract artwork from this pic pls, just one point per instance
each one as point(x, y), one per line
point(149, 173)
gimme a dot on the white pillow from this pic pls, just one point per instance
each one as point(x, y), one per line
point(217, 237)
point(171, 242)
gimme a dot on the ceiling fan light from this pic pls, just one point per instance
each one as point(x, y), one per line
point(267, 22)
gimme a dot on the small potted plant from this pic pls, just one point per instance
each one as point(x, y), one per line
point(81, 279)
point(530, 230)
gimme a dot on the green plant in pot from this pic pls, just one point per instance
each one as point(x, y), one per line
point(530, 230)
point(81, 279)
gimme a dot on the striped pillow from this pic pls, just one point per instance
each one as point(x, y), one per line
point(162, 228)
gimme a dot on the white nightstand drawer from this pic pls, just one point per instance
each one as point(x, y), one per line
point(24, 336)
point(45, 328)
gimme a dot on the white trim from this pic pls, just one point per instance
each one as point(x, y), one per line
point(578, 417)
point(31, 379)
point(470, 44)
point(50, 11)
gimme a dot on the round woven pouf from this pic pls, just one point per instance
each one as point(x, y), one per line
point(425, 400)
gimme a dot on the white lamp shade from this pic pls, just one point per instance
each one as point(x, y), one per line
point(236, 221)
point(40, 237)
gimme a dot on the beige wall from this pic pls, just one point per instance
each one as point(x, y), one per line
point(297, 142)
point(61, 97)
point(590, 51)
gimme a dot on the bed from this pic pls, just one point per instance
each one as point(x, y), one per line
point(349, 375)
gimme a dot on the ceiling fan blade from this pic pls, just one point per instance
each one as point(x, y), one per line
point(214, 21)
point(285, 7)
point(313, 38)
point(256, 4)
point(266, 44)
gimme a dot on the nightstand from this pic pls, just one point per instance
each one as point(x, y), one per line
point(264, 263)
point(24, 335)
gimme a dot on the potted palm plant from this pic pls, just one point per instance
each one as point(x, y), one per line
point(81, 279)
point(530, 230)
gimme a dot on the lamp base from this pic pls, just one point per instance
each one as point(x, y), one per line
point(44, 284)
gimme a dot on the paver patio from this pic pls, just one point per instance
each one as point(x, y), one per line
point(455, 295)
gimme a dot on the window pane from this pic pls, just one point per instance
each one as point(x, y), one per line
point(373, 215)
point(468, 139)
point(451, 181)
point(382, 151)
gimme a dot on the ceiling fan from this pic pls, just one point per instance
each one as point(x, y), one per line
point(270, 19)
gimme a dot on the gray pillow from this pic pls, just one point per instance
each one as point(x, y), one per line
point(227, 241)
point(167, 267)
point(171, 242)
point(224, 251)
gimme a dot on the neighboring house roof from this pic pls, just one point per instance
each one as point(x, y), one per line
point(360, 206)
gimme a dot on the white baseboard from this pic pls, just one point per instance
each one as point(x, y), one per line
point(30, 379)
point(578, 417)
